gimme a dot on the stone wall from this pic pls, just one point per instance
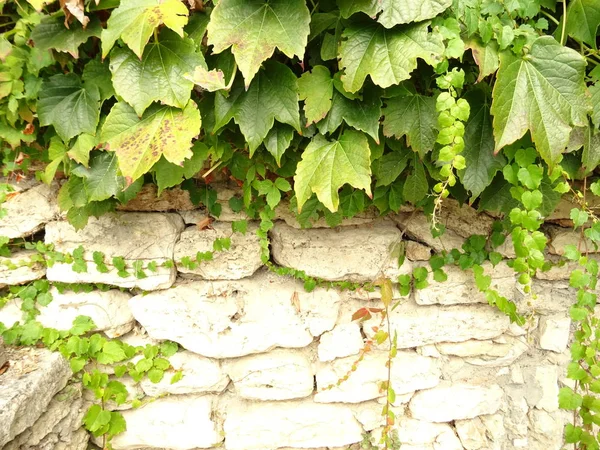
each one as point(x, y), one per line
point(258, 351)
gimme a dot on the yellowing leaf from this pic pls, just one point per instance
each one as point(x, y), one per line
point(140, 142)
point(542, 92)
point(327, 165)
point(254, 28)
point(134, 21)
point(388, 56)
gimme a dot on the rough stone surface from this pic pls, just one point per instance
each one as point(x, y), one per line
point(347, 253)
point(240, 261)
point(200, 375)
point(560, 237)
point(459, 401)
point(10, 276)
point(133, 236)
point(108, 309)
point(422, 325)
point(343, 340)
point(460, 287)
point(27, 387)
point(284, 212)
point(148, 200)
point(298, 424)
point(554, 333)
point(502, 351)
point(410, 372)
point(277, 375)
point(29, 210)
point(179, 422)
point(224, 319)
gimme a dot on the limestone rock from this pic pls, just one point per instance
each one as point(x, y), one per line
point(284, 212)
point(200, 375)
point(28, 211)
point(226, 319)
point(502, 351)
point(27, 388)
point(240, 261)
point(277, 375)
point(11, 313)
point(455, 402)
point(108, 309)
point(472, 433)
point(298, 424)
point(560, 237)
point(343, 340)
point(358, 253)
point(460, 286)
point(3, 353)
point(133, 236)
point(178, 422)
point(18, 268)
point(410, 372)
point(554, 333)
point(148, 200)
point(547, 378)
point(415, 251)
point(546, 429)
point(421, 325)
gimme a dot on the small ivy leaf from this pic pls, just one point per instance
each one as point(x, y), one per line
point(362, 314)
point(140, 142)
point(388, 56)
point(64, 96)
point(529, 96)
point(253, 29)
point(578, 217)
point(387, 291)
point(316, 89)
point(327, 165)
point(134, 21)
point(567, 399)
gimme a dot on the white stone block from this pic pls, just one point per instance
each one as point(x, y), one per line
point(547, 378)
point(277, 375)
point(24, 272)
point(28, 211)
point(298, 424)
point(177, 422)
point(240, 261)
point(343, 340)
point(226, 319)
point(554, 333)
point(455, 402)
point(360, 253)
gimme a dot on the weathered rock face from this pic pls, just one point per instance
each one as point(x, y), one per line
point(225, 319)
point(240, 261)
point(19, 269)
point(28, 211)
point(34, 377)
point(146, 237)
point(352, 253)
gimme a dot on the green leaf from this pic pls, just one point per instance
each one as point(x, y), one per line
point(415, 186)
point(64, 97)
point(140, 142)
point(578, 217)
point(96, 418)
point(278, 140)
point(583, 20)
point(316, 89)
point(389, 167)
point(361, 115)
point(413, 116)
point(482, 164)
point(253, 29)
point(273, 95)
point(134, 21)
point(156, 375)
point(567, 399)
point(97, 73)
point(169, 174)
point(51, 33)
point(595, 91)
point(112, 352)
point(591, 149)
point(157, 76)
point(101, 180)
point(486, 56)
point(528, 95)
point(327, 165)
point(394, 12)
point(531, 199)
point(388, 56)
point(80, 151)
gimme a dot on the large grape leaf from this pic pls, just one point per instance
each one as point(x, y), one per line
point(327, 165)
point(413, 116)
point(485, 56)
point(158, 76)
point(278, 140)
point(140, 142)
point(254, 28)
point(482, 164)
point(394, 12)
point(595, 91)
point(591, 149)
point(97, 73)
point(51, 33)
point(583, 20)
point(388, 56)
point(415, 186)
point(272, 95)
point(363, 115)
point(69, 106)
point(134, 21)
point(316, 89)
point(101, 180)
point(542, 92)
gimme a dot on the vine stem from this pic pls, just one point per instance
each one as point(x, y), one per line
point(564, 23)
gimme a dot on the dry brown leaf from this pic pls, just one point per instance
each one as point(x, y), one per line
point(296, 301)
point(205, 223)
